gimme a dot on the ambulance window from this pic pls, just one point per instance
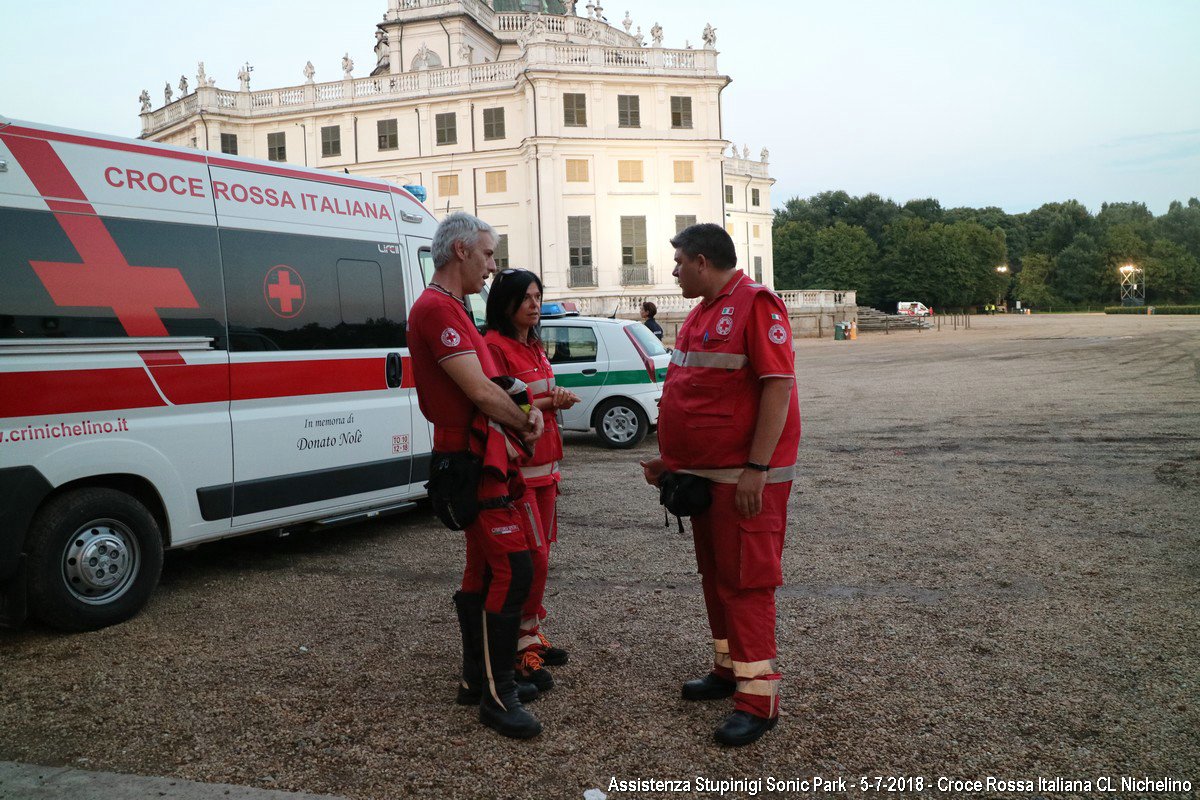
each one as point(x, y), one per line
point(360, 292)
point(569, 345)
point(288, 292)
point(425, 256)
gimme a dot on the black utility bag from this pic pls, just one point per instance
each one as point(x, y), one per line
point(684, 494)
point(454, 488)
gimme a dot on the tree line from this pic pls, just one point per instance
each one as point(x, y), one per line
point(1057, 255)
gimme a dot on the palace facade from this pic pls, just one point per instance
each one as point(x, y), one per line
point(584, 144)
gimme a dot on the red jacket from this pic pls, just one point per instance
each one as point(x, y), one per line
point(713, 388)
point(528, 362)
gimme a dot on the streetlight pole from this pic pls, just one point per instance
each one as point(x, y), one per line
point(1001, 270)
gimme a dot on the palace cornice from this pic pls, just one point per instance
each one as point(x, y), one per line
point(541, 59)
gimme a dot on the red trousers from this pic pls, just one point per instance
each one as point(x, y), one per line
point(545, 502)
point(740, 562)
point(501, 543)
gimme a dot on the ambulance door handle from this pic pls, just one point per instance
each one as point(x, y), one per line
point(589, 371)
point(395, 370)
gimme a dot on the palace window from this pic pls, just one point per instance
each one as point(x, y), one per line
point(629, 171)
point(574, 109)
point(493, 124)
point(229, 144)
point(681, 112)
point(500, 254)
point(577, 170)
point(629, 113)
point(728, 195)
point(635, 268)
point(684, 221)
point(447, 128)
point(389, 137)
point(277, 147)
point(331, 141)
point(579, 249)
point(496, 181)
point(447, 185)
point(683, 172)
point(754, 197)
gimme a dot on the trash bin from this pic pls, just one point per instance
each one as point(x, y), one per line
point(839, 332)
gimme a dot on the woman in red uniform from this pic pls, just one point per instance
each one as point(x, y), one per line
point(514, 308)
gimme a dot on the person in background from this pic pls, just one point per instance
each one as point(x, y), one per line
point(514, 309)
point(648, 312)
point(730, 414)
point(453, 368)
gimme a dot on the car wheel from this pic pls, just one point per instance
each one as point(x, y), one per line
point(95, 556)
point(621, 423)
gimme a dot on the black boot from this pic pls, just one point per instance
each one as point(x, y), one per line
point(470, 623)
point(711, 687)
point(501, 709)
point(742, 727)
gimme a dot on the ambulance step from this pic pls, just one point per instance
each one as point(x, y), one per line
point(357, 516)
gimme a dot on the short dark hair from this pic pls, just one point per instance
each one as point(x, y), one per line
point(650, 308)
point(710, 240)
point(505, 296)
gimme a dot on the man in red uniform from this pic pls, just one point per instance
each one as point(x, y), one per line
point(729, 413)
point(453, 372)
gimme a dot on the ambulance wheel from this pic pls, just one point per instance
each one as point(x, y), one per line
point(621, 423)
point(94, 558)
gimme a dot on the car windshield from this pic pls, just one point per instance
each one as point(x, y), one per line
point(646, 340)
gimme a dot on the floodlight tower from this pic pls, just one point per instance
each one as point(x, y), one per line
point(1133, 285)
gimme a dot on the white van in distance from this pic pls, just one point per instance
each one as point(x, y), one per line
point(913, 308)
point(192, 346)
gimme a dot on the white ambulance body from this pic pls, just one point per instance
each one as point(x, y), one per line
point(192, 346)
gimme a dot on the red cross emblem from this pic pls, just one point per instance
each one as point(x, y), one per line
point(103, 278)
point(283, 289)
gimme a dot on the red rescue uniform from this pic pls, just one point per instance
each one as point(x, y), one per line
point(528, 362)
point(439, 328)
point(708, 414)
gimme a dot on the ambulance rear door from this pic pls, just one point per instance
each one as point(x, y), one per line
point(321, 399)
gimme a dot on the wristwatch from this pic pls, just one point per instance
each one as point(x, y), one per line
point(757, 467)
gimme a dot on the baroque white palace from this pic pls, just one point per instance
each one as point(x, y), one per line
point(585, 144)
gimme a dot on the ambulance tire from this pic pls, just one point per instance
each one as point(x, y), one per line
point(100, 528)
point(621, 423)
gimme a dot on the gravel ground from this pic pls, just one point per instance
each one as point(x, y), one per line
point(992, 570)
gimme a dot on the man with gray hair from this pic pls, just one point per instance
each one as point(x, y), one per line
point(453, 371)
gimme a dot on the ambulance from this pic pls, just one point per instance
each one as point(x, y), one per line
point(192, 346)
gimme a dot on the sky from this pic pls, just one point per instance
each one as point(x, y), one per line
point(973, 103)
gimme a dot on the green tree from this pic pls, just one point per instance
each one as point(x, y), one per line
point(843, 258)
point(1079, 273)
point(927, 209)
point(792, 246)
point(1033, 282)
point(1181, 225)
point(1172, 273)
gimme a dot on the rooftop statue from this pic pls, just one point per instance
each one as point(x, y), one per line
point(309, 71)
point(167, 93)
point(763, 155)
point(183, 85)
point(656, 35)
point(244, 76)
point(144, 99)
point(627, 22)
point(347, 65)
point(709, 36)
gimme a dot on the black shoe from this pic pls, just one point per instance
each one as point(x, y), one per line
point(551, 656)
point(742, 727)
point(500, 708)
point(554, 656)
point(529, 669)
point(711, 687)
